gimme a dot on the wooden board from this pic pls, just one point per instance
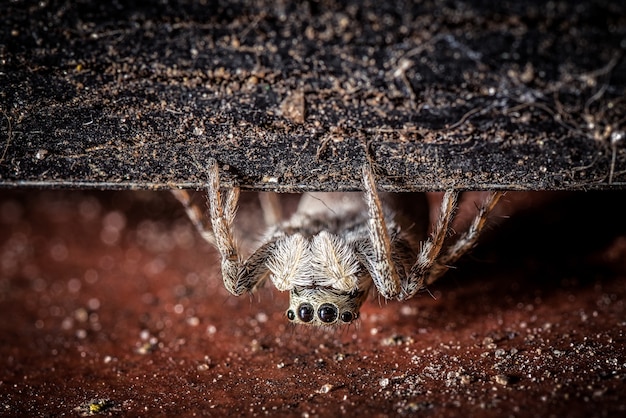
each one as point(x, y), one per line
point(288, 96)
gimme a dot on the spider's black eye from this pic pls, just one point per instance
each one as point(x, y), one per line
point(346, 316)
point(327, 313)
point(291, 315)
point(306, 313)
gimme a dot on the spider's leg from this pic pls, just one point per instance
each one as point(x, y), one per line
point(195, 215)
point(379, 257)
point(466, 241)
point(239, 276)
point(431, 248)
point(272, 210)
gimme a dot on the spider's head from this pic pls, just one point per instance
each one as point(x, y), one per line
point(324, 306)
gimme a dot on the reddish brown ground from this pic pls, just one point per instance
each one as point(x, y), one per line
point(110, 299)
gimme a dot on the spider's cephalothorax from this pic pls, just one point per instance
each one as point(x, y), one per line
point(333, 249)
point(320, 256)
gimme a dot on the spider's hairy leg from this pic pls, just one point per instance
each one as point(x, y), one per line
point(271, 207)
point(466, 241)
point(222, 217)
point(195, 215)
point(239, 276)
point(431, 248)
point(380, 261)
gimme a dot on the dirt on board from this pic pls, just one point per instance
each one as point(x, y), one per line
point(111, 304)
point(464, 94)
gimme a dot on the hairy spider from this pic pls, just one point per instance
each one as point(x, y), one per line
point(333, 249)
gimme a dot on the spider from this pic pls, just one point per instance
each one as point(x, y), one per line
point(333, 250)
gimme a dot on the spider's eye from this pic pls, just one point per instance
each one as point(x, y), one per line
point(346, 316)
point(327, 313)
point(306, 313)
point(291, 315)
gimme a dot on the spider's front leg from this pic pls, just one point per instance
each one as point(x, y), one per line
point(239, 275)
point(378, 255)
point(387, 273)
